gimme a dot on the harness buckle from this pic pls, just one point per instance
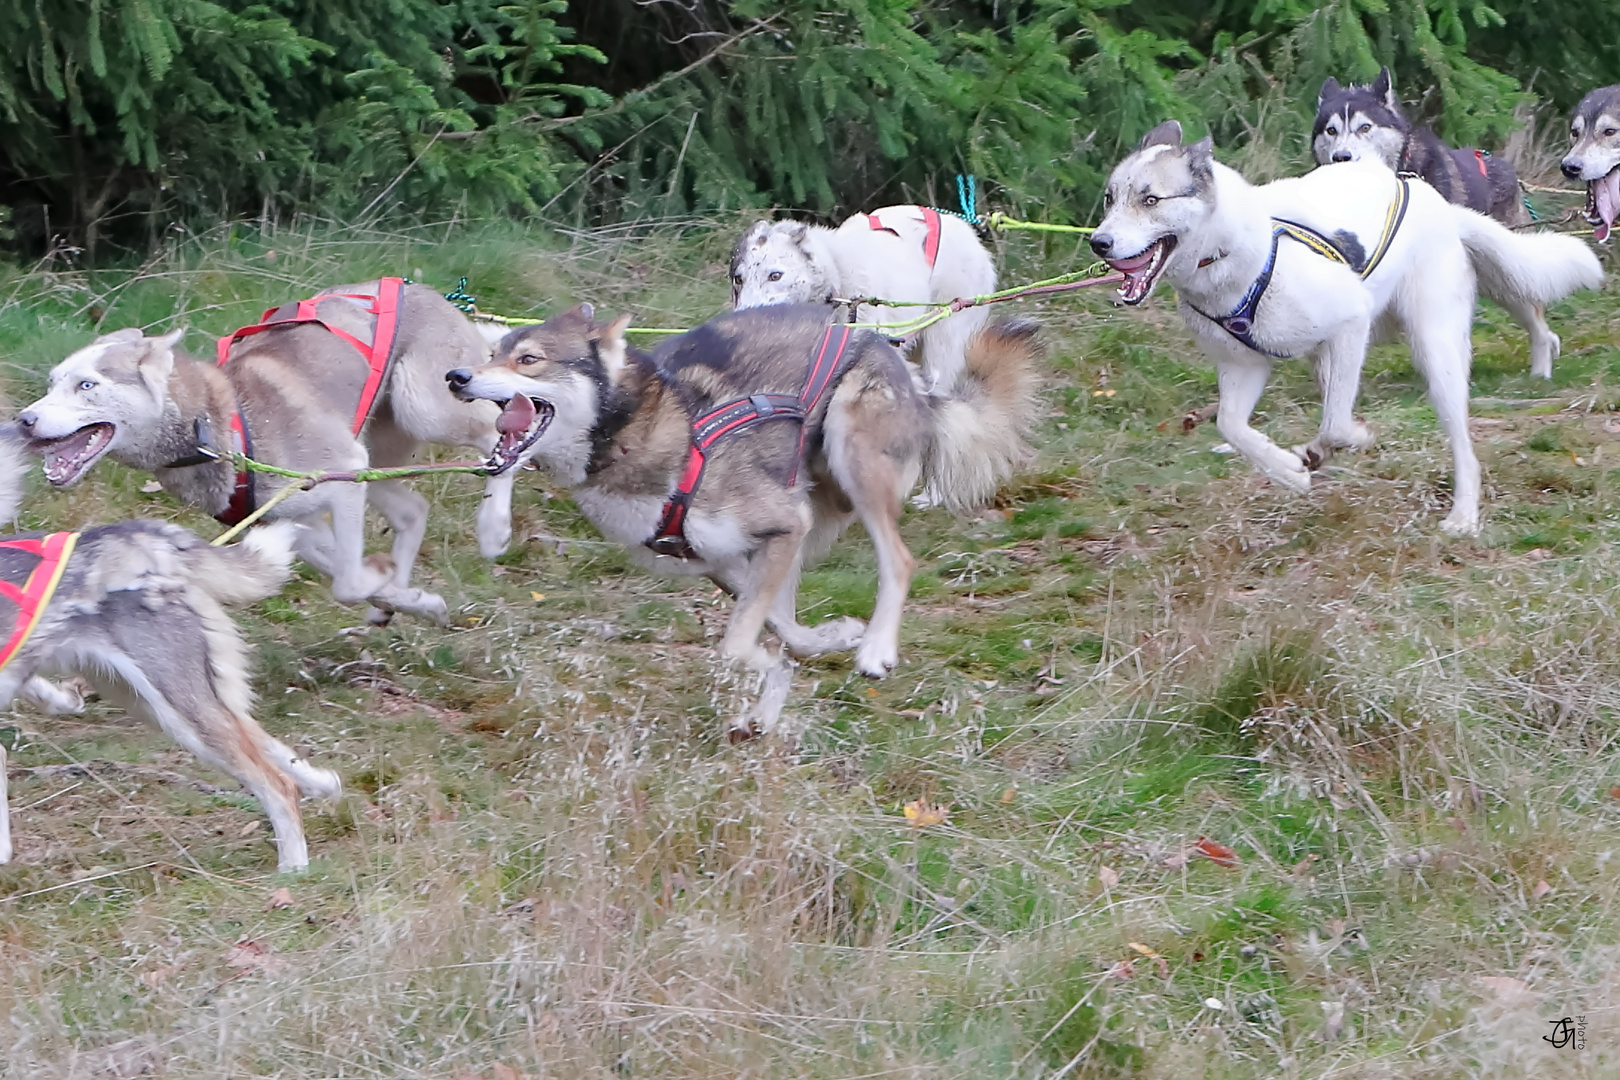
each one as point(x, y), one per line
point(670, 547)
point(762, 405)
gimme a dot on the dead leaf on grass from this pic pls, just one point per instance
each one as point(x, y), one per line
point(922, 814)
point(1107, 876)
point(1541, 889)
point(249, 829)
point(281, 898)
point(1216, 852)
point(158, 976)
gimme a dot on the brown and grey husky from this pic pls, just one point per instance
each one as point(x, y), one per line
point(617, 426)
point(138, 611)
point(150, 406)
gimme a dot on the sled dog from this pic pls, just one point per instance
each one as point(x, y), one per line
point(744, 447)
point(1594, 157)
point(1356, 123)
point(911, 253)
point(1312, 266)
point(135, 608)
point(294, 394)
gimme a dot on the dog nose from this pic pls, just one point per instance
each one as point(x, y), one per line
point(1570, 169)
point(458, 379)
point(1341, 155)
point(1102, 244)
point(26, 419)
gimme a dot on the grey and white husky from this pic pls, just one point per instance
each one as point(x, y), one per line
point(1312, 266)
point(139, 613)
point(616, 425)
point(147, 404)
point(1357, 123)
point(1594, 157)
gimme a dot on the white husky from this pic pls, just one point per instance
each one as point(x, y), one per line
point(910, 253)
point(1311, 266)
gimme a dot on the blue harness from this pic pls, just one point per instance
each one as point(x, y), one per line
point(1239, 322)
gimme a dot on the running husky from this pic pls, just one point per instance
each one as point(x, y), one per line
point(1594, 157)
point(682, 456)
point(1356, 123)
point(912, 253)
point(291, 389)
point(1313, 266)
point(136, 609)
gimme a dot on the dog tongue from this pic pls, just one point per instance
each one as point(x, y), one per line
point(1606, 196)
point(517, 417)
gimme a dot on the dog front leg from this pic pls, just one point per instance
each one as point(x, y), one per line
point(495, 514)
point(5, 812)
point(407, 514)
point(1241, 385)
point(768, 570)
point(1339, 362)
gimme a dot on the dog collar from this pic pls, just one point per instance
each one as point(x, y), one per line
point(1211, 260)
point(205, 452)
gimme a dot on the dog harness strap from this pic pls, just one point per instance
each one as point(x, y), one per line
point(738, 414)
point(931, 241)
point(379, 351)
point(1480, 156)
point(1239, 322)
point(53, 552)
point(931, 222)
point(244, 497)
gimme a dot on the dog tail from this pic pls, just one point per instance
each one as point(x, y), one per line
point(1536, 266)
point(979, 431)
point(251, 570)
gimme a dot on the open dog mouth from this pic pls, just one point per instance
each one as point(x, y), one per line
point(70, 457)
point(523, 419)
point(1143, 270)
point(1602, 204)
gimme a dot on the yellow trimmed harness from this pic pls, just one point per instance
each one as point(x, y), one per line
point(1239, 322)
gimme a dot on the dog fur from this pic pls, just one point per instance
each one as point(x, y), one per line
point(622, 429)
point(1356, 123)
point(789, 262)
point(1594, 157)
point(138, 399)
point(138, 612)
point(1173, 210)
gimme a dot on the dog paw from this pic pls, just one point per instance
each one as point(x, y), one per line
point(754, 657)
point(834, 635)
point(1293, 474)
point(876, 659)
point(1458, 523)
point(376, 616)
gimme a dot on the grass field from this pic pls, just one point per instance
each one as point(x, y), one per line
point(550, 864)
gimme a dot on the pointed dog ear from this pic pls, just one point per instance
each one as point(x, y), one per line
point(1384, 87)
point(612, 347)
point(1201, 157)
point(586, 311)
point(1330, 86)
point(157, 362)
point(1166, 134)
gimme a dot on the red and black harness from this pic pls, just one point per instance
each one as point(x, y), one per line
point(379, 354)
point(32, 596)
point(832, 357)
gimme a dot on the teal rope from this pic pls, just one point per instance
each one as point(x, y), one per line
point(460, 297)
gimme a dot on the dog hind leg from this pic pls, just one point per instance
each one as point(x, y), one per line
point(1437, 309)
point(1544, 344)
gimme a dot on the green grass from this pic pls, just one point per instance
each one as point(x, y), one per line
point(548, 858)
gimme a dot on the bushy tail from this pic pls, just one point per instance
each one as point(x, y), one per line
point(1536, 266)
point(979, 430)
point(250, 570)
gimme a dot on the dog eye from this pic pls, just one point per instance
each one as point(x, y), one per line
point(1332, 129)
point(775, 275)
point(87, 384)
point(1150, 200)
point(1609, 133)
point(1363, 129)
point(528, 358)
point(736, 279)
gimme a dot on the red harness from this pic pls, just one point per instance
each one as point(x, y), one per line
point(931, 221)
point(832, 356)
point(36, 592)
point(379, 353)
point(1480, 156)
